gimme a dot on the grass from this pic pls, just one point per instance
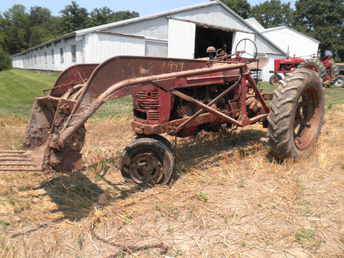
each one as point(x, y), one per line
point(18, 89)
point(228, 198)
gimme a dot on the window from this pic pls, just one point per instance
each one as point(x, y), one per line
point(73, 49)
point(52, 56)
point(45, 57)
point(61, 56)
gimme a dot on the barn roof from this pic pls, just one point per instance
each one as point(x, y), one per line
point(154, 16)
point(289, 28)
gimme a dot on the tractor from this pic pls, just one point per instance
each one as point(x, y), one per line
point(325, 66)
point(177, 97)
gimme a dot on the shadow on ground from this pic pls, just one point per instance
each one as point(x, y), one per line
point(200, 151)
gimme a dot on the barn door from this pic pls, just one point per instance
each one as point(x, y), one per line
point(181, 39)
point(244, 46)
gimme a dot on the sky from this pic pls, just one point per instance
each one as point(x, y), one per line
point(143, 7)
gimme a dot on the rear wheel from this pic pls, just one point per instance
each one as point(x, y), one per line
point(148, 161)
point(297, 113)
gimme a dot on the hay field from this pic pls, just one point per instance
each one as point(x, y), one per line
point(228, 199)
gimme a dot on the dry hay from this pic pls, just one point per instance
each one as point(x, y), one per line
point(228, 200)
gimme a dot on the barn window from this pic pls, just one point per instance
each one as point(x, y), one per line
point(73, 49)
point(52, 56)
point(61, 55)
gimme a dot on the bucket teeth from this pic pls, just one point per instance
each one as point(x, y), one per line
point(17, 161)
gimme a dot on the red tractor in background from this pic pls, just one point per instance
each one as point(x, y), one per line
point(326, 67)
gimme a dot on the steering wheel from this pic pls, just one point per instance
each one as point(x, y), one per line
point(242, 48)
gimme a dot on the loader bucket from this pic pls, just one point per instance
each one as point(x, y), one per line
point(47, 113)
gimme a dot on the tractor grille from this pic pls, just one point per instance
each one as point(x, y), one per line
point(153, 116)
point(148, 100)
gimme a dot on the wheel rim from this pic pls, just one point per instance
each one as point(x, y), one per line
point(274, 80)
point(145, 168)
point(307, 118)
point(339, 83)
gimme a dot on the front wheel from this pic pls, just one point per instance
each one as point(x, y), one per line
point(297, 113)
point(274, 79)
point(148, 161)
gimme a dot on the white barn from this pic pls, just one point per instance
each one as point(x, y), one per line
point(181, 33)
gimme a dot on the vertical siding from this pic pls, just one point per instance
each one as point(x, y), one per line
point(156, 48)
point(101, 47)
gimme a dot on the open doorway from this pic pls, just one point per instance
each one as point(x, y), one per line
point(217, 38)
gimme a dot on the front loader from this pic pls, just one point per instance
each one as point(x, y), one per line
point(178, 97)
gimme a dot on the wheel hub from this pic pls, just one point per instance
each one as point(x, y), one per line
point(145, 168)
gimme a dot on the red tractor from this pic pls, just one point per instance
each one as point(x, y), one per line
point(325, 66)
point(177, 97)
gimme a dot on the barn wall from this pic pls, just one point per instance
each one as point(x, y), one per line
point(156, 48)
point(49, 57)
point(100, 47)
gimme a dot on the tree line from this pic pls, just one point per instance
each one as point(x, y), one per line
point(22, 28)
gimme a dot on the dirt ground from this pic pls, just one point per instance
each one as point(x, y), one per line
point(229, 199)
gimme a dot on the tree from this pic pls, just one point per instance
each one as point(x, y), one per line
point(105, 15)
point(5, 59)
point(42, 26)
point(322, 20)
point(124, 15)
point(16, 27)
point(241, 7)
point(273, 13)
point(73, 18)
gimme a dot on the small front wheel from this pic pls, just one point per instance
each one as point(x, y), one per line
point(274, 79)
point(339, 82)
point(148, 161)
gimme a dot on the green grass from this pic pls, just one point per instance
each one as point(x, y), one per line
point(18, 89)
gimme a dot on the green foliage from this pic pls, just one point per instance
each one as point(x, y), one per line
point(273, 13)
point(322, 20)
point(74, 18)
point(241, 7)
point(5, 60)
point(105, 15)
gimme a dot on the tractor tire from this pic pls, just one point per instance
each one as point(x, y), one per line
point(297, 115)
point(148, 161)
point(274, 79)
point(313, 64)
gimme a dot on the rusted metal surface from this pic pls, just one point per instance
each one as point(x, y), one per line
point(17, 161)
point(74, 75)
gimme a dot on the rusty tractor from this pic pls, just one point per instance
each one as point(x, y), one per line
point(178, 97)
